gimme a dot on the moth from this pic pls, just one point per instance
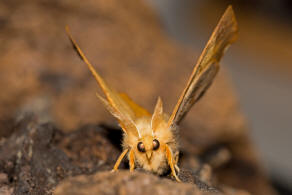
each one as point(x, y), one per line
point(150, 140)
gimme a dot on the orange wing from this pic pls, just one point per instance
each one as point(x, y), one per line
point(137, 109)
point(119, 105)
point(158, 115)
point(207, 66)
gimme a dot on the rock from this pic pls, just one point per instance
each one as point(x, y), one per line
point(37, 156)
point(3, 178)
point(31, 161)
point(4, 187)
point(5, 190)
point(125, 182)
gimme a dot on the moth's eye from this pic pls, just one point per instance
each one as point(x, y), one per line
point(156, 144)
point(141, 147)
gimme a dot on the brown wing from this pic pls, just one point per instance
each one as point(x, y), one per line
point(207, 66)
point(117, 105)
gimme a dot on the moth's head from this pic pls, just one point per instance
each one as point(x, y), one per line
point(152, 135)
point(147, 144)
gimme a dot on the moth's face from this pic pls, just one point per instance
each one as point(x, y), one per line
point(147, 145)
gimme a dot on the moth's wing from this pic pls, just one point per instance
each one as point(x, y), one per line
point(114, 103)
point(158, 115)
point(126, 125)
point(207, 66)
point(138, 110)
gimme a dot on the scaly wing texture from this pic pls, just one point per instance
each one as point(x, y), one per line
point(207, 66)
point(120, 106)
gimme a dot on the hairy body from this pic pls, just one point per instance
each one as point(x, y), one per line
point(156, 163)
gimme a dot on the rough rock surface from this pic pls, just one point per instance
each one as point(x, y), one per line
point(40, 73)
point(127, 183)
point(36, 157)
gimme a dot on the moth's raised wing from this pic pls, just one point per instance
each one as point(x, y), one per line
point(207, 66)
point(138, 110)
point(118, 105)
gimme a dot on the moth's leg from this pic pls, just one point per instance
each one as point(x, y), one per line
point(170, 161)
point(131, 160)
point(119, 160)
point(176, 156)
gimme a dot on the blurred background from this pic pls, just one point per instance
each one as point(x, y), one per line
point(40, 73)
point(260, 66)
